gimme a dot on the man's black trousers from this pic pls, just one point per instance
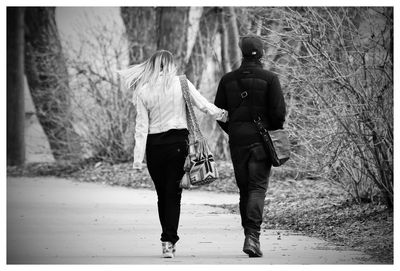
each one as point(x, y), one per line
point(252, 170)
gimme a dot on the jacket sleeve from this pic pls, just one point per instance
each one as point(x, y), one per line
point(220, 101)
point(201, 103)
point(141, 130)
point(276, 105)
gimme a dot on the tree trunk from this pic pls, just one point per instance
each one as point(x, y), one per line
point(140, 25)
point(230, 51)
point(203, 46)
point(15, 86)
point(233, 38)
point(47, 76)
point(172, 29)
point(194, 18)
point(161, 28)
point(225, 61)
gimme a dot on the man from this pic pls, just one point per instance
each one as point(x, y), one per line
point(239, 91)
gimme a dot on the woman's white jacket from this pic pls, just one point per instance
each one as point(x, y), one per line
point(160, 110)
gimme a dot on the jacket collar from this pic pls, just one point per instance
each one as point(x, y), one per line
point(250, 63)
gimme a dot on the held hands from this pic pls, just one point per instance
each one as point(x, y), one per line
point(223, 117)
point(137, 165)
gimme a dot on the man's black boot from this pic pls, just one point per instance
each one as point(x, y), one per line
point(251, 246)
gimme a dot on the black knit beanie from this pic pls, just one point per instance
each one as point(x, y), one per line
point(251, 46)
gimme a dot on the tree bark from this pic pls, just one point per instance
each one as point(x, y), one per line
point(15, 86)
point(225, 61)
point(203, 46)
point(47, 77)
point(195, 15)
point(233, 38)
point(172, 29)
point(140, 25)
point(160, 28)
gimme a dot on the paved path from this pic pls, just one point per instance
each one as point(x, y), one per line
point(58, 221)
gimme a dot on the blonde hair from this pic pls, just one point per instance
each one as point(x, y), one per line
point(161, 63)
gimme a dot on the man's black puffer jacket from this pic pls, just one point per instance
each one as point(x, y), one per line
point(263, 88)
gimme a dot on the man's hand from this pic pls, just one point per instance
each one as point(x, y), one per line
point(224, 116)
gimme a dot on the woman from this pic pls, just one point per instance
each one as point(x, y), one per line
point(161, 132)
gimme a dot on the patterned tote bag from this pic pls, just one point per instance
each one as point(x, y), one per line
point(200, 168)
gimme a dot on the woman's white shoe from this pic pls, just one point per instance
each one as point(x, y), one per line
point(168, 250)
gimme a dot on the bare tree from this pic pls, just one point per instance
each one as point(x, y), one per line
point(102, 109)
point(48, 80)
point(337, 67)
point(15, 86)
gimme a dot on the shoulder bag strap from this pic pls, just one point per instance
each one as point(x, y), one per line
point(245, 95)
point(193, 125)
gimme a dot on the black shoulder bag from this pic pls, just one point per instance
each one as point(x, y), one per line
point(276, 142)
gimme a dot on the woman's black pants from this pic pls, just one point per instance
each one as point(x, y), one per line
point(165, 164)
